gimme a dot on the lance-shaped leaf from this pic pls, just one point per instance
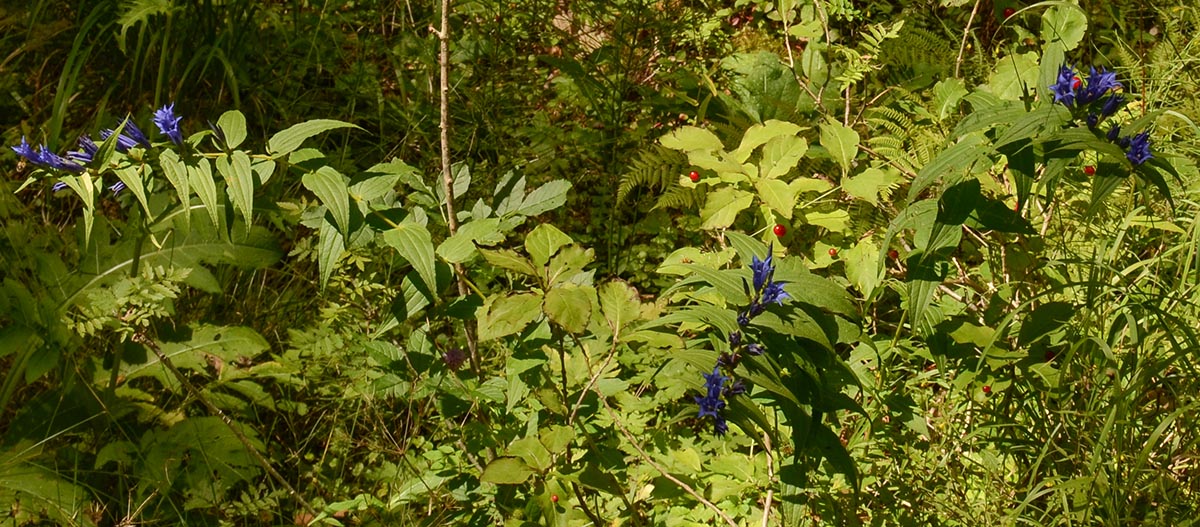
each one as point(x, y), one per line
point(330, 187)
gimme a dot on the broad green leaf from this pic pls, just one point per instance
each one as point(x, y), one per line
point(841, 142)
point(1043, 320)
point(200, 178)
point(759, 134)
point(504, 315)
point(506, 471)
point(507, 259)
point(176, 173)
point(947, 94)
point(813, 63)
point(239, 181)
point(461, 247)
point(956, 158)
point(330, 187)
point(227, 343)
point(1014, 75)
point(620, 304)
point(808, 184)
point(835, 221)
point(569, 306)
point(691, 138)
point(233, 126)
point(543, 242)
point(547, 197)
point(1053, 56)
point(556, 438)
point(132, 178)
point(862, 266)
point(781, 154)
point(290, 139)
point(778, 195)
point(532, 451)
point(867, 185)
point(414, 243)
point(723, 206)
point(264, 168)
point(1065, 24)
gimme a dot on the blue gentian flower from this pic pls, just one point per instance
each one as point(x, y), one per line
point(26, 151)
point(736, 388)
point(743, 319)
point(754, 348)
point(774, 294)
point(130, 137)
point(45, 158)
point(1098, 84)
point(1064, 88)
point(87, 150)
point(168, 123)
point(59, 187)
point(762, 270)
point(117, 187)
point(1114, 103)
point(1139, 148)
point(719, 426)
point(735, 339)
point(711, 403)
point(1114, 133)
point(1093, 120)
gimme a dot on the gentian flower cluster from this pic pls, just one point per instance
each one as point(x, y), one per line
point(766, 291)
point(76, 161)
point(1072, 92)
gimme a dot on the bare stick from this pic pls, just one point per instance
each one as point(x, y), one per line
point(212, 409)
point(966, 32)
point(770, 478)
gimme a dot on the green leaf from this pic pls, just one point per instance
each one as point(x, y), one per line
point(834, 221)
point(867, 185)
point(1065, 24)
point(508, 259)
point(862, 266)
point(691, 138)
point(505, 315)
point(176, 173)
point(290, 139)
point(330, 187)
point(200, 178)
point(569, 306)
point(414, 243)
point(532, 452)
point(780, 155)
point(1044, 320)
point(543, 242)
point(330, 246)
point(239, 181)
point(547, 197)
point(1014, 75)
point(620, 304)
point(723, 206)
point(506, 471)
point(956, 158)
point(841, 142)
point(556, 438)
point(759, 134)
point(132, 178)
point(947, 94)
point(461, 247)
point(778, 195)
point(233, 127)
point(227, 343)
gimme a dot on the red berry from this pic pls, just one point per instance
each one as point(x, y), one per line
point(779, 230)
point(1075, 85)
point(893, 254)
point(694, 176)
point(833, 252)
point(1009, 12)
point(987, 389)
point(1089, 170)
point(554, 498)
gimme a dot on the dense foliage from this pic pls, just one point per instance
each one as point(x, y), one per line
point(802, 262)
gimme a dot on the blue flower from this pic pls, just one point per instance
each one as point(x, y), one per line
point(168, 123)
point(59, 187)
point(774, 294)
point(711, 403)
point(1139, 148)
point(117, 187)
point(743, 319)
point(735, 339)
point(719, 426)
point(87, 150)
point(763, 270)
point(1097, 85)
point(1064, 88)
point(130, 137)
point(754, 348)
point(1114, 103)
point(45, 158)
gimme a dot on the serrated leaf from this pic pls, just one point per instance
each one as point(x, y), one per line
point(620, 304)
point(330, 187)
point(290, 139)
point(691, 138)
point(547, 197)
point(506, 471)
point(569, 306)
point(505, 315)
point(723, 206)
point(413, 242)
point(543, 242)
point(841, 142)
point(233, 127)
point(778, 195)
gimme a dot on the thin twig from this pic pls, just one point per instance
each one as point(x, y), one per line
point(770, 478)
point(962, 48)
point(646, 457)
point(212, 409)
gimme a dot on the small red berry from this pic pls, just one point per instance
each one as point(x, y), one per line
point(779, 230)
point(1089, 170)
point(694, 176)
point(554, 498)
point(833, 252)
point(893, 254)
point(1009, 12)
point(1075, 85)
point(987, 389)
